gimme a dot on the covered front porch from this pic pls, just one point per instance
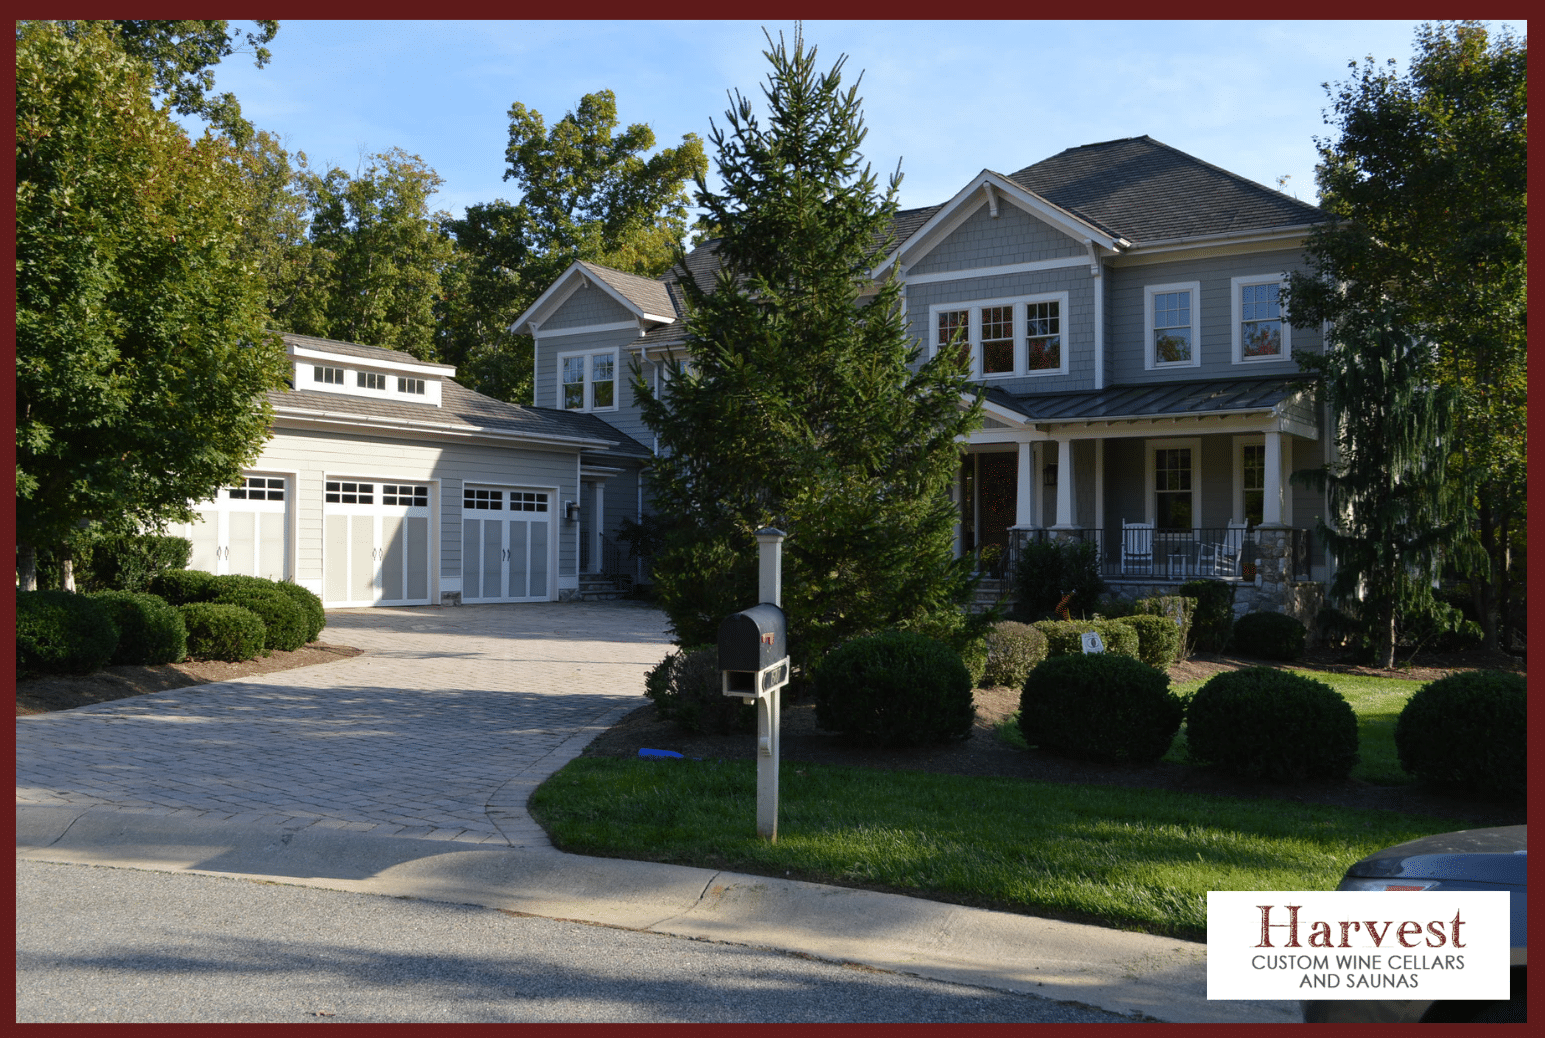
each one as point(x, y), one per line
point(1198, 486)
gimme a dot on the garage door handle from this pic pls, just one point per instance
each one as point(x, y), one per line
point(506, 555)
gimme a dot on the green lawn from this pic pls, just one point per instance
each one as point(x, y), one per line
point(1131, 858)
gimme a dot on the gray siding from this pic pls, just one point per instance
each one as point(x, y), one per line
point(1125, 334)
point(981, 241)
point(549, 347)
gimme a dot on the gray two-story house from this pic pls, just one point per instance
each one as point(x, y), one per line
point(1120, 307)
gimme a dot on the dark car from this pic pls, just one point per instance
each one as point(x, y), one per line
point(1473, 859)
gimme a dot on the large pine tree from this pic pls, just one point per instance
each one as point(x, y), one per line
point(803, 406)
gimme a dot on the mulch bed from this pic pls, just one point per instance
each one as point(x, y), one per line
point(801, 741)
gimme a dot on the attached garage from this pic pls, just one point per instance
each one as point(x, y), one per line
point(386, 483)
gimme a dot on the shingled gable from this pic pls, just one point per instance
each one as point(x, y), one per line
point(645, 298)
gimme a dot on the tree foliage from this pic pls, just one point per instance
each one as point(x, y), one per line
point(588, 192)
point(141, 356)
point(1427, 174)
point(375, 255)
point(1387, 488)
point(800, 408)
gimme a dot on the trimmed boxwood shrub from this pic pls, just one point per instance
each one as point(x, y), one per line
point(181, 586)
point(1013, 651)
point(285, 624)
point(1177, 608)
point(685, 687)
point(1100, 707)
point(1063, 637)
point(59, 632)
point(310, 606)
point(1158, 639)
point(1047, 570)
point(1261, 723)
point(129, 562)
point(1466, 731)
point(1213, 619)
point(150, 632)
point(1269, 636)
point(218, 631)
point(894, 689)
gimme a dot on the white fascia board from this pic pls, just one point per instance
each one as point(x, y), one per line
point(966, 201)
point(1288, 236)
point(591, 329)
point(1013, 419)
point(352, 361)
point(460, 432)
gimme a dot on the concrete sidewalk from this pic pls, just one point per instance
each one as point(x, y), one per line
point(405, 772)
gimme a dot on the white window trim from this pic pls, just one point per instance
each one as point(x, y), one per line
point(1236, 312)
point(1240, 443)
point(1021, 328)
point(1150, 501)
point(589, 403)
point(1151, 360)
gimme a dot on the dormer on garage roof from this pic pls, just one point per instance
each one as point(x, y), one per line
point(310, 347)
point(645, 298)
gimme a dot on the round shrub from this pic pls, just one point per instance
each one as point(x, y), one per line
point(310, 606)
point(1466, 731)
point(149, 631)
point(59, 632)
point(1013, 651)
point(1213, 619)
point(217, 631)
point(1261, 723)
point(181, 586)
point(1178, 609)
point(285, 624)
point(1158, 639)
point(894, 689)
point(1065, 637)
point(686, 688)
point(1269, 636)
point(1100, 707)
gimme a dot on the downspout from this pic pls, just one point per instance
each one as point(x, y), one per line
point(1097, 272)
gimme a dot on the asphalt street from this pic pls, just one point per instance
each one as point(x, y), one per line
point(114, 945)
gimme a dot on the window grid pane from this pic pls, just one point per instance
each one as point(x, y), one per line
point(491, 500)
point(603, 380)
point(955, 327)
point(997, 340)
point(1042, 327)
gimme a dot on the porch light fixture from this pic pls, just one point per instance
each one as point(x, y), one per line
point(1049, 476)
point(571, 511)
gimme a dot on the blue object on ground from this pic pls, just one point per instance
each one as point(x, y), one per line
point(658, 753)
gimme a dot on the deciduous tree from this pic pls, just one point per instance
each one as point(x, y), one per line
point(801, 408)
point(1427, 175)
point(141, 356)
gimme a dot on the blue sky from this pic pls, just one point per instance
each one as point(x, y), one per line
point(946, 99)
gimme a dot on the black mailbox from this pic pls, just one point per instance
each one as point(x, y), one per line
point(752, 642)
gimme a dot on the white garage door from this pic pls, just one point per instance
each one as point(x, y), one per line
point(375, 547)
point(245, 530)
point(506, 546)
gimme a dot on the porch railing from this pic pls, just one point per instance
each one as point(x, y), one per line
point(1226, 553)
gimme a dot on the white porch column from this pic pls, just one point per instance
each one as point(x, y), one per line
point(1024, 515)
point(1065, 514)
point(1099, 485)
point(1271, 509)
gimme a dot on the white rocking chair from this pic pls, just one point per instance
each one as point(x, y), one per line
point(1136, 547)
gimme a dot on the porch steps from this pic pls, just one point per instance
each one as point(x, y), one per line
point(594, 587)
point(990, 592)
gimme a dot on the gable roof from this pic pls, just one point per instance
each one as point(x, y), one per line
point(1148, 191)
point(645, 298)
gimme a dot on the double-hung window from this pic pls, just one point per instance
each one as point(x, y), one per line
point(587, 381)
point(1259, 332)
point(1172, 318)
point(1005, 338)
point(371, 380)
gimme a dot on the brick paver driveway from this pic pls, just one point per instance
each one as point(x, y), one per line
point(440, 730)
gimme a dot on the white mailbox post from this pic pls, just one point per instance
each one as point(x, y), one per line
point(754, 665)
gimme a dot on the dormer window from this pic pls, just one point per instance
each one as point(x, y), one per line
point(331, 376)
point(372, 380)
point(411, 385)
